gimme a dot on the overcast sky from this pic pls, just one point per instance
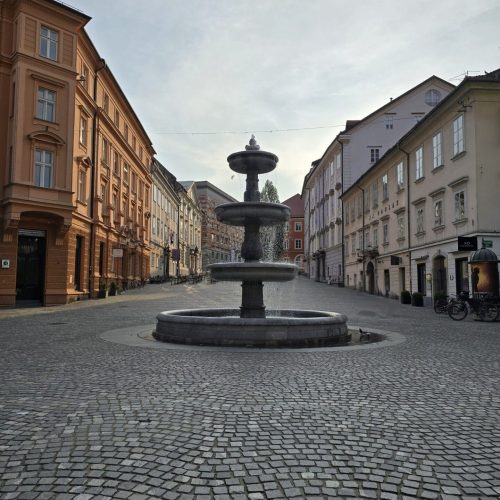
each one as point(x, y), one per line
point(202, 75)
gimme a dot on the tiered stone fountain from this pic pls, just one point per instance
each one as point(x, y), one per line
point(251, 325)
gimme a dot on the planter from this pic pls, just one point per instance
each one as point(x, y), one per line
point(405, 297)
point(101, 294)
point(417, 299)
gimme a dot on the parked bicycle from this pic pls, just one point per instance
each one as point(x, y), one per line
point(485, 307)
point(441, 305)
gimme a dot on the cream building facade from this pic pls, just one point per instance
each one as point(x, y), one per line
point(441, 181)
point(189, 243)
point(350, 154)
point(164, 221)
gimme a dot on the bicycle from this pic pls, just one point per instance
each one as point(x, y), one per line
point(486, 308)
point(441, 305)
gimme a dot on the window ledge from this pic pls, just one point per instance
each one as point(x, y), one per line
point(401, 239)
point(420, 234)
point(80, 202)
point(459, 222)
point(458, 155)
point(385, 244)
point(420, 179)
point(438, 228)
point(400, 189)
point(438, 168)
point(46, 122)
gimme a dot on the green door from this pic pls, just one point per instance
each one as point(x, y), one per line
point(30, 266)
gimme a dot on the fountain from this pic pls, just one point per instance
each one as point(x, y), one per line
point(251, 324)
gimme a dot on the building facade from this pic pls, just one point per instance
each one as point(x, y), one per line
point(189, 242)
point(220, 242)
point(165, 205)
point(74, 175)
point(404, 216)
point(293, 247)
point(351, 153)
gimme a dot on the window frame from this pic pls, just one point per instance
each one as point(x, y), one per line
point(48, 42)
point(419, 163)
point(458, 135)
point(385, 187)
point(41, 166)
point(437, 150)
point(42, 100)
point(400, 176)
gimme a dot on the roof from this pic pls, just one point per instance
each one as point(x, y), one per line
point(493, 76)
point(351, 124)
point(200, 185)
point(186, 184)
point(296, 205)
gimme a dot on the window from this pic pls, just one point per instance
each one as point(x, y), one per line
point(125, 172)
point(125, 132)
point(84, 77)
point(375, 236)
point(389, 122)
point(400, 175)
point(134, 182)
point(117, 118)
point(460, 205)
point(82, 181)
point(353, 244)
point(385, 234)
point(298, 226)
point(360, 240)
point(385, 187)
point(116, 163)
point(374, 154)
point(44, 164)
point(133, 142)
point(458, 135)
point(153, 225)
point(105, 151)
point(420, 220)
point(437, 150)
point(298, 244)
point(48, 43)
point(432, 97)
point(419, 163)
point(83, 131)
point(46, 105)
point(438, 213)
point(114, 201)
point(285, 245)
point(375, 194)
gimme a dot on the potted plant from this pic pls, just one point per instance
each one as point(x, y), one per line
point(113, 289)
point(101, 294)
point(405, 297)
point(417, 299)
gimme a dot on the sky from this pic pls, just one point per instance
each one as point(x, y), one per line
point(203, 75)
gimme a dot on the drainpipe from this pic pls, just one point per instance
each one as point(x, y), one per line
point(363, 234)
point(342, 201)
point(93, 180)
point(408, 211)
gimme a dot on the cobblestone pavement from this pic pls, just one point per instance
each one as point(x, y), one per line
point(84, 418)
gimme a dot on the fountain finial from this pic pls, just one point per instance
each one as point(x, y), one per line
point(252, 145)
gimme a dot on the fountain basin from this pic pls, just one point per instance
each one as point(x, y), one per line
point(224, 327)
point(263, 213)
point(255, 161)
point(253, 271)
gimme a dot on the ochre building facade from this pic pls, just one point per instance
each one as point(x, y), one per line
point(75, 163)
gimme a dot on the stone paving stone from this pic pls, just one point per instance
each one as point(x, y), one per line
point(116, 421)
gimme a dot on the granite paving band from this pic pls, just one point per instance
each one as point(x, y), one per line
point(83, 417)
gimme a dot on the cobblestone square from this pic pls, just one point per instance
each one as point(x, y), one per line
point(83, 417)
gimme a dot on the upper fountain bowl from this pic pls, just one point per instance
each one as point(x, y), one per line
point(251, 212)
point(260, 162)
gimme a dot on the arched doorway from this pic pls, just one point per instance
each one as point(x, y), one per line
point(439, 279)
point(370, 271)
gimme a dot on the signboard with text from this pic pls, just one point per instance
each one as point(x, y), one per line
point(176, 255)
point(467, 243)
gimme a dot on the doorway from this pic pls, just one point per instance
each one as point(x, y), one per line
point(30, 275)
point(439, 284)
point(370, 271)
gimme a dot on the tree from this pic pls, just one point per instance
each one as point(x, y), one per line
point(271, 237)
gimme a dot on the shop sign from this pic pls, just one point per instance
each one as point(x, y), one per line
point(488, 243)
point(31, 232)
point(467, 243)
